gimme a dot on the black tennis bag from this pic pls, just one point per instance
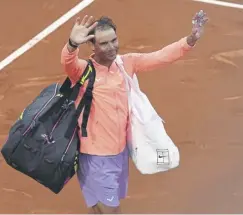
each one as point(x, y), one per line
point(44, 143)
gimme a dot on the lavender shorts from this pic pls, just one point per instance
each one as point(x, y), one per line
point(103, 178)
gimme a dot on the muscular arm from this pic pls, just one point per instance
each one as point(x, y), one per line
point(153, 60)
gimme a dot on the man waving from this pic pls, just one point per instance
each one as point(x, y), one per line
point(103, 167)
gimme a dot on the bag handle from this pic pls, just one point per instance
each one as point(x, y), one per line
point(66, 88)
point(134, 89)
point(69, 93)
point(132, 86)
point(119, 63)
point(130, 82)
point(88, 97)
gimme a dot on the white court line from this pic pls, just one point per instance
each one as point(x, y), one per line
point(69, 15)
point(221, 3)
point(83, 4)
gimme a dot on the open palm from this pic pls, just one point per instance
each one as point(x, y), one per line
point(81, 29)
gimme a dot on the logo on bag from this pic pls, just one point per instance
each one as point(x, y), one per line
point(48, 139)
point(86, 75)
point(76, 162)
point(163, 156)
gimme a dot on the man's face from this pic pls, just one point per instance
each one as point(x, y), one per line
point(106, 44)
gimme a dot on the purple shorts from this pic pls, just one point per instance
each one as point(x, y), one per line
point(103, 178)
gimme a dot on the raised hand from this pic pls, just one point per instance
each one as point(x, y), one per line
point(198, 23)
point(81, 29)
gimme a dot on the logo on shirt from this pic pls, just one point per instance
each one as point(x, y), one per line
point(98, 79)
point(163, 156)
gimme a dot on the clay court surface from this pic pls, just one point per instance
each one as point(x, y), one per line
point(200, 97)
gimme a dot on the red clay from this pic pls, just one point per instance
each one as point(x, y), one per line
point(200, 98)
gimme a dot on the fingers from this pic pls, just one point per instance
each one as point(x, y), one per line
point(90, 37)
point(77, 21)
point(93, 26)
point(89, 21)
point(84, 20)
point(199, 19)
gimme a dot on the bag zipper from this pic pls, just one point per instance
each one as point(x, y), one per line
point(38, 113)
point(69, 143)
point(48, 138)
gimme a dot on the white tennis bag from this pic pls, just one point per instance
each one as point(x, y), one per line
point(150, 148)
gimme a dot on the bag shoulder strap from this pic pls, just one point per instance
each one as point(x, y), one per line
point(85, 102)
point(72, 93)
point(130, 82)
point(69, 94)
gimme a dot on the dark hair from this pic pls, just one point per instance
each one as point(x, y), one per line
point(103, 23)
